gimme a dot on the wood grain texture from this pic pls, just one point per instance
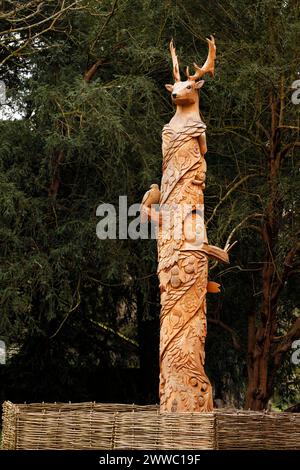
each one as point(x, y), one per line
point(183, 249)
point(184, 385)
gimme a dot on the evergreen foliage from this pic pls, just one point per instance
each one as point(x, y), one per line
point(80, 316)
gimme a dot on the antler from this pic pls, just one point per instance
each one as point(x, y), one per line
point(209, 66)
point(176, 72)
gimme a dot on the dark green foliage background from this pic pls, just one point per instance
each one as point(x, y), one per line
point(57, 280)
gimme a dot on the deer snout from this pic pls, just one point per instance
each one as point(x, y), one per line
point(174, 95)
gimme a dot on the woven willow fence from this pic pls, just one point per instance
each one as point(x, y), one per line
point(116, 426)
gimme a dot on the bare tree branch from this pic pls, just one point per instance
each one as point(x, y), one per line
point(108, 18)
point(19, 7)
point(229, 192)
point(45, 20)
point(89, 74)
point(287, 148)
point(238, 226)
point(14, 43)
point(287, 268)
point(287, 340)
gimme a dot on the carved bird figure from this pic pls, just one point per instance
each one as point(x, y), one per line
point(152, 196)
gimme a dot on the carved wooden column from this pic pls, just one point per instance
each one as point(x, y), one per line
point(183, 249)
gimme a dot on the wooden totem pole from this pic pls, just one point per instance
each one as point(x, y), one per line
point(183, 249)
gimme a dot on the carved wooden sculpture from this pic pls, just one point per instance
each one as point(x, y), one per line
point(183, 259)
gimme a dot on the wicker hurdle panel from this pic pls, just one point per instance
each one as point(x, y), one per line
point(121, 426)
point(250, 430)
point(192, 431)
point(137, 430)
point(63, 425)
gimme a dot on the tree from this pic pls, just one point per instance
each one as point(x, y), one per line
point(263, 129)
point(85, 139)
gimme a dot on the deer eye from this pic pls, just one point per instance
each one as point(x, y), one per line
point(189, 87)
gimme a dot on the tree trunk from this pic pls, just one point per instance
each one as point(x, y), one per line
point(264, 356)
point(260, 357)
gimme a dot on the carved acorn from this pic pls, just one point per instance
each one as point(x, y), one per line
point(175, 279)
point(189, 265)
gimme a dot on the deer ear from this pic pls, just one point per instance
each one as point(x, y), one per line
point(199, 84)
point(169, 87)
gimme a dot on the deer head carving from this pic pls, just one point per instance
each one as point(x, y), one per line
point(185, 93)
